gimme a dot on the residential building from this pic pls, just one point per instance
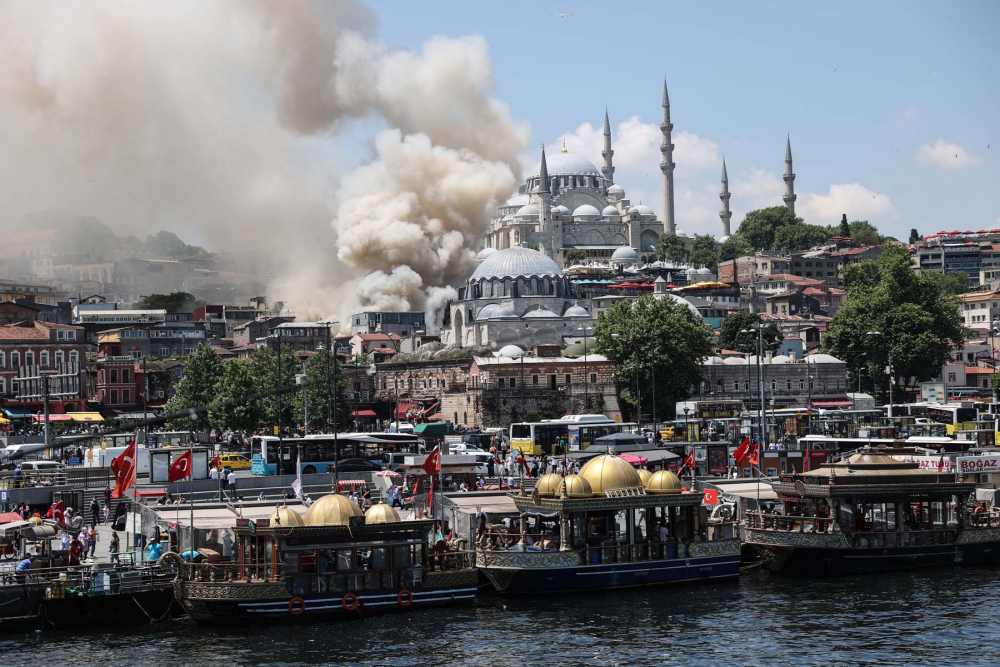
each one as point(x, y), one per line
point(368, 344)
point(42, 348)
point(11, 290)
point(980, 309)
point(399, 323)
point(751, 268)
point(301, 336)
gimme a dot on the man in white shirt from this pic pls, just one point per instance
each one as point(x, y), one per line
point(232, 480)
point(213, 473)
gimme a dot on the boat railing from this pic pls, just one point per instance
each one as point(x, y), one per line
point(793, 523)
point(451, 560)
point(89, 577)
point(224, 571)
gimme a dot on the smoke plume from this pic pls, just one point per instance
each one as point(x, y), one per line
point(222, 122)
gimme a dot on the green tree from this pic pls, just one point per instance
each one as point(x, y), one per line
point(800, 237)
point(175, 302)
point(952, 282)
point(865, 233)
point(648, 331)
point(845, 229)
point(733, 247)
point(264, 368)
point(918, 323)
point(196, 390)
point(576, 255)
point(731, 336)
point(671, 248)
point(914, 236)
point(704, 258)
point(759, 227)
point(236, 405)
point(319, 379)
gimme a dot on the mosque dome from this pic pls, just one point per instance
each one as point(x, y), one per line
point(576, 311)
point(509, 216)
point(511, 351)
point(516, 262)
point(705, 272)
point(484, 253)
point(714, 361)
point(527, 210)
point(606, 472)
point(548, 485)
point(561, 210)
point(616, 190)
point(781, 359)
point(644, 210)
point(691, 271)
point(331, 510)
point(723, 239)
point(560, 164)
point(585, 209)
point(664, 481)
point(644, 475)
point(381, 513)
point(493, 311)
point(682, 301)
point(734, 361)
point(577, 487)
point(517, 200)
point(540, 313)
point(286, 516)
point(631, 210)
point(625, 252)
point(611, 211)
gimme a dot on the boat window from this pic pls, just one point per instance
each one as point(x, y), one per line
point(401, 558)
point(380, 558)
point(345, 560)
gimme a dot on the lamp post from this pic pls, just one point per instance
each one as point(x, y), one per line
point(586, 373)
point(880, 338)
point(854, 364)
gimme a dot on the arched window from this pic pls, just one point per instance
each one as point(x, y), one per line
point(3, 359)
point(789, 383)
point(746, 385)
point(802, 384)
point(736, 385)
point(722, 386)
point(74, 358)
point(60, 357)
point(43, 358)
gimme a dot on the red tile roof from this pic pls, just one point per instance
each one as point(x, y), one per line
point(378, 336)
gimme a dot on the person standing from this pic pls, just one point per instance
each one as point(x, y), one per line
point(95, 511)
point(155, 550)
point(107, 494)
point(232, 481)
point(84, 538)
point(114, 548)
point(18, 476)
point(93, 537)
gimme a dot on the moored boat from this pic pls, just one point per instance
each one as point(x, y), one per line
point(608, 527)
point(872, 512)
point(333, 563)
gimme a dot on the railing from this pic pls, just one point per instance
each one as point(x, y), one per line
point(88, 578)
point(172, 562)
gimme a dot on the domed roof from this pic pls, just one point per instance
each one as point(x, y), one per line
point(579, 347)
point(559, 164)
point(517, 200)
point(493, 311)
point(540, 313)
point(609, 472)
point(585, 209)
point(616, 190)
point(632, 209)
point(484, 253)
point(381, 513)
point(611, 210)
point(680, 300)
point(704, 272)
point(515, 262)
point(644, 210)
point(781, 359)
point(509, 216)
point(714, 361)
point(331, 510)
point(562, 210)
point(511, 351)
point(735, 361)
point(644, 475)
point(576, 311)
point(530, 209)
point(577, 487)
point(625, 252)
point(664, 481)
point(822, 359)
point(285, 516)
point(691, 271)
point(723, 239)
point(548, 485)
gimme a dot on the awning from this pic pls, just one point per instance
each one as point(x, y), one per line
point(18, 414)
point(53, 418)
point(150, 493)
point(8, 517)
point(12, 526)
point(364, 413)
point(86, 416)
point(748, 490)
point(402, 409)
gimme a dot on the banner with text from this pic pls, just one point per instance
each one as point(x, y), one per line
point(978, 464)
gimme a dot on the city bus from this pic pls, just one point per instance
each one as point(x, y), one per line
point(579, 431)
point(319, 453)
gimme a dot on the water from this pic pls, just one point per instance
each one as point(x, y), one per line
point(909, 618)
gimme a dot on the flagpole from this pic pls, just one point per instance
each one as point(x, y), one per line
point(191, 500)
point(135, 483)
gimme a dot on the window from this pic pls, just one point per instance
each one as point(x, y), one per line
point(951, 377)
point(74, 357)
point(60, 358)
point(736, 385)
point(569, 378)
point(125, 376)
point(3, 386)
point(113, 376)
point(114, 397)
point(789, 384)
point(513, 382)
point(60, 335)
point(3, 360)
point(29, 358)
point(43, 358)
point(534, 379)
point(164, 351)
point(774, 385)
point(500, 382)
point(802, 384)
point(593, 378)
point(126, 396)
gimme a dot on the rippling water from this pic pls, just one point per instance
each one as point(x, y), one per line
point(926, 618)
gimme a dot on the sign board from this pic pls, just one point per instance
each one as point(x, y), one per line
point(3, 496)
point(934, 392)
point(711, 497)
point(978, 464)
point(931, 463)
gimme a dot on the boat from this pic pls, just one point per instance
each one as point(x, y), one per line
point(333, 563)
point(609, 526)
point(872, 512)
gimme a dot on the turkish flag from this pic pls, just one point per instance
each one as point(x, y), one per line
point(754, 460)
point(123, 466)
point(215, 462)
point(688, 462)
point(56, 512)
point(432, 464)
point(711, 497)
point(742, 451)
point(180, 468)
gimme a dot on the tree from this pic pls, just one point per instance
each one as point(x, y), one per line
point(672, 248)
point(175, 302)
point(196, 390)
point(264, 369)
point(704, 259)
point(800, 237)
point(845, 229)
point(319, 379)
point(914, 236)
point(918, 323)
point(636, 335)
point(731, 336)
point(168, 244)
point(236, 406)
point(759, 227)
point(865, 233)
point(733, 247)
point(576, 255)
point(952, 282)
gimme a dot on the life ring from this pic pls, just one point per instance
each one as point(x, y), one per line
point(296, 606)
point(350, 601)
point(409, 598)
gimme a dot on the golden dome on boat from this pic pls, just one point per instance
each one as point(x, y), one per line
point(548, 485)
point(285, 516)
point(644, 476)
point(331, 510)
point(576, 487)
point(664, 481)
point(381, 513)
point(610, 472)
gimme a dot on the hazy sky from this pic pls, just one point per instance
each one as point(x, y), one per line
point(879, 98)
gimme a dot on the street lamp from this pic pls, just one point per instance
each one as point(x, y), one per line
point(891, 378)
point(586, 373)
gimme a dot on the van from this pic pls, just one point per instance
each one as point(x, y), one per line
point(41, 468)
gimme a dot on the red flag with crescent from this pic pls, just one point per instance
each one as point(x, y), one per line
point(123, 466)
point(180, 468)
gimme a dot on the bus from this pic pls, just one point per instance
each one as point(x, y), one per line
point(319, 452)
point(582, 435)
point(579, 431)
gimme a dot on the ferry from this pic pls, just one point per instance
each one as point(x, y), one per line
point(333, 563)
point(872, 512)
point(610, 526)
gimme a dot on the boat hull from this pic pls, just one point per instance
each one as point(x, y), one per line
point(511, 572)
point(270, 603)
point(110, 610)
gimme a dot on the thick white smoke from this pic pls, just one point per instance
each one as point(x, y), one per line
point(219, 121)
point(434, 306)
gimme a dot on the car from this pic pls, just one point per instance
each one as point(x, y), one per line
point(357, 465)
point(234, 461)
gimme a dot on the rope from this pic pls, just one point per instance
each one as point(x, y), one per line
point(152, 620)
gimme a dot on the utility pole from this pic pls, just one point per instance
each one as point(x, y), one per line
point(45, 401)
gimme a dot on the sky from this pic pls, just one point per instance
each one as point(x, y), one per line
point(892, 108)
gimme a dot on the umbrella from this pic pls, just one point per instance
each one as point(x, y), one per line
point(387, 473)
point(633, 459)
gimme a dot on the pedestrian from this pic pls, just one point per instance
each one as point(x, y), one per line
point(155, 549)
point(114, 548)
point(75, 552)
point(20, 572)
point(95, 511)
point(106, 516)
point(491, 468)
point(232, 480)
point(18, 476)
point(84, 538)
point(64, 539)
point(107, 494)
point(213, 473)
point(94, 538)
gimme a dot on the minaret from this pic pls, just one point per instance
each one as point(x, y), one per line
point(789, 178)
point(544, 215)
point(667, 165)
point(725, 215)
point(609, 169)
